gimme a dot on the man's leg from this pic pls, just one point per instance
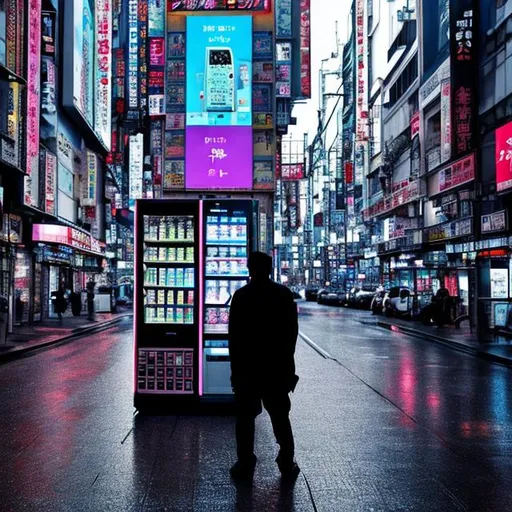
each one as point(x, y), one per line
point(278, 407)
point(248, 406)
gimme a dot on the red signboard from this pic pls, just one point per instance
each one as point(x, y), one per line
point(305, 48)
point(291, 172)
point(415, 125)
point(460, 172)
point(64, 235)
point(504, 157)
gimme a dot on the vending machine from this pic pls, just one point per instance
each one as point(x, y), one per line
point(190, 258)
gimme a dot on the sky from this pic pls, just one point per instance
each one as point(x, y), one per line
point(324, 13)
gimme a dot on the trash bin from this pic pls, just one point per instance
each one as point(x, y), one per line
point(4, 319)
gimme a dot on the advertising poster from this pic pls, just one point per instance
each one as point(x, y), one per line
point(13, 128)
point(263, 142)
point(156, 18)
point(262, 46)
point(218, 78)
point(262, 121)
point(91, 175)
point(219, 5)
point(504, 157)
point(263, 178)
point(174, 174)
point(262, 97)
point(176, 44)
point(135, 167)
point(143, 52)
point(88, 52)
point(48, 103)
point(156, 97)
point(175, 98)
point(103, 71)
point(446, 129)
point(283, 70)
point(499, 283)
point(263, 72)
point(219, 157)
point(175, 122)
point(175, 144)
point(48, 21)
point(133, 55)
point(283, 18)
point(463, 75)
point(175, 71)
point(361, 59)
point(33, 100)
point(305, 48)
point(494, 222)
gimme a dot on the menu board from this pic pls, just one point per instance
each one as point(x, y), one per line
point(169, 371)
point(169, 274)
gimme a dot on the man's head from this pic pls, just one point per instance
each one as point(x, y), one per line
point(259, 265)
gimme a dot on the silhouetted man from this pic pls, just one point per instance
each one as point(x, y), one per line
point(263, 330)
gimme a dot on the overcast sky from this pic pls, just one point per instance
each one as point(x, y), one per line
point(324, 13)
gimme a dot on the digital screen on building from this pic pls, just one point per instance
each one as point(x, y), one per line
point(219, 71)
point(219, 5)
point(219, 157)
point(504, 157)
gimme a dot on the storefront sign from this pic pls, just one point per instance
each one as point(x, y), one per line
point(219, 157)
point(261, 98)
point(496, 221)
point(504, 157)
point(406, 194)
point(460, 172)
point(291, 172)
point(33, 100)
point(156, 18)
point(135, 166)
point(305, 48)
point(65, 235)
point(463, 31)
point(103, 70)
point(133, 55)
point(219, 5)
point(446, 128)
point(283, 18)
point(263, 72)
point(143, 52)
point(156, 97)
point(457, 228)
point(48, 171)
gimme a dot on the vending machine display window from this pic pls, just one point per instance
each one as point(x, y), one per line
point(169, 269)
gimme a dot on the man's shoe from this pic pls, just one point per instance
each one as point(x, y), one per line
point(242, 471)
point(289, 470)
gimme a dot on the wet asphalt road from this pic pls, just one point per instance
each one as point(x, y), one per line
point(385, 423)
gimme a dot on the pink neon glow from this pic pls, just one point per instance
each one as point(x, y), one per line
point(135, 298)
point(201, 298)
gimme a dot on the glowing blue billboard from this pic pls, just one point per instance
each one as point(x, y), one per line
point(219, 71)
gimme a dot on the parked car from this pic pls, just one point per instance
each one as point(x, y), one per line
point(398, 302)
point(377, 305)
point(311, 293)
point(329, 296)
point(358, 297)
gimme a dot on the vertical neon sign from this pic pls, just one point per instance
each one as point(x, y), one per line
point(102, 108)
point(33, 93)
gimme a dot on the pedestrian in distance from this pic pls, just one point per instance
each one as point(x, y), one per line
point(60, 302)
point(90, 298)
point(263, 329)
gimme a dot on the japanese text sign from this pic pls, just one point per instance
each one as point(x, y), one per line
point(504, 157)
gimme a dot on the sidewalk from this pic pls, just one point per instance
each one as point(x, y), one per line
point(462, 339)
point(42, 334)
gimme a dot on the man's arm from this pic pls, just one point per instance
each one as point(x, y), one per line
point(292, 331)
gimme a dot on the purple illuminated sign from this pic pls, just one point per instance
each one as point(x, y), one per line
point(218, 157)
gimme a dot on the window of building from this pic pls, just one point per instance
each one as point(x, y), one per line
point(404, 81)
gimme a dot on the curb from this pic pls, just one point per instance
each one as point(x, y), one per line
point(494, 358)
point(75, 333)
